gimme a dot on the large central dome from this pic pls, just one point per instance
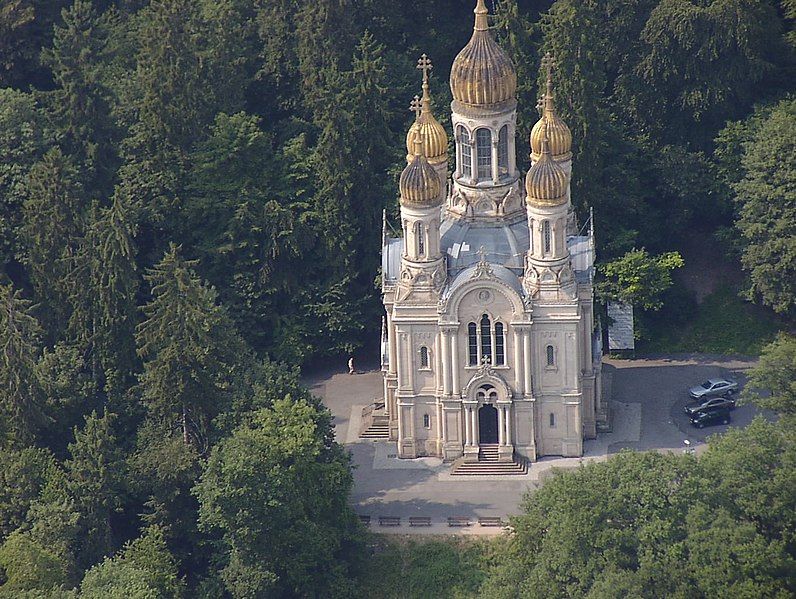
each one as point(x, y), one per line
point(482, 74)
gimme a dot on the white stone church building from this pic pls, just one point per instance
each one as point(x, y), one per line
point(489, 338)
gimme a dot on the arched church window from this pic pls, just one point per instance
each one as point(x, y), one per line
point(472, 343)
point(426, 421)
point(424, 357)
point(483, 148)
point(533, 223)
point(500, 345)
point(421, 242)
point(486, 338)
point(465, 153)
point(503, 151)
point(546, 236)
point(551, 356)
point(552, 420)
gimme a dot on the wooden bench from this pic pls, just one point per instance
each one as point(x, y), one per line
point(490, 521)
point(419, 521)
point(389, 521)
point(365, 520)
point(458, 521)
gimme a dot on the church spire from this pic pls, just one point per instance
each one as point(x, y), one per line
point(550, 124)
point(435, 139)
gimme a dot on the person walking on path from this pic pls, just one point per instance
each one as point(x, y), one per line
point(351, 365)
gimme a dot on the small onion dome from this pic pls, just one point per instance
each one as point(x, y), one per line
point(551, 125)
point(482, 74)
point(558, 134)
point(547, 182)
point(435, 140)
point(419, 183)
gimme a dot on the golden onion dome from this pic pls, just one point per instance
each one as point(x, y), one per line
point(550, 124)
point(482, 74)
point(435, 139)
point(547, 182)
point(419, 183)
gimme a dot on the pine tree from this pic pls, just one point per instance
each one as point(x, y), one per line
point(188, 346)
point(21, 400)
point(51, 228)
point(81, 102)
point(103, 290)
point(94, 475)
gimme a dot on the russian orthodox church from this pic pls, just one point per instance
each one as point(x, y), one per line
point(489, 340)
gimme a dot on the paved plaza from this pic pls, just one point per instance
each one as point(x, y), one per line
point(647, 399)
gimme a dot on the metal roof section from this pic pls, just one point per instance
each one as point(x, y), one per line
point(504, 244)
point(620, 331)
point(581, 251)
point(501, 273)
point(391, 260)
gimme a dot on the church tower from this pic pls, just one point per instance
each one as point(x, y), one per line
point(548, 274)
point(484, 117)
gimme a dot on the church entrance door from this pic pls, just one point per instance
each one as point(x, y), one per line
point(487, 425)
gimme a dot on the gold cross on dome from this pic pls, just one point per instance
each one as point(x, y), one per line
point(416, 106)
point(424, 64)
point(548, 64)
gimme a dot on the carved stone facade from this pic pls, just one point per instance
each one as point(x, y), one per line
point(489, 330)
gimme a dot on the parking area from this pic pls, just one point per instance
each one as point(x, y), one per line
point(647, 400)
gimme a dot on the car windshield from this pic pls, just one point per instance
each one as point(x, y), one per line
point(706, 385)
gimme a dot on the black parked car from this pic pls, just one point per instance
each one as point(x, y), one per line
point(710, 416)
point(712, 404)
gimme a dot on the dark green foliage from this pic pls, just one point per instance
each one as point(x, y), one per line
point(775, 374)
point(53, 222)
point(766, 199)
point(655, 525)
point(276, 492)
point(26, 565)
point(22, 411)
point(638, 278)
point(23, 476)
point(143, 569)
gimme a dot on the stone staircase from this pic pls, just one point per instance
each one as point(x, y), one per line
point(375, 422)
point(488, 464)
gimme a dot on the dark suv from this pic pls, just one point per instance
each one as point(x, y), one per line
point(719, 415)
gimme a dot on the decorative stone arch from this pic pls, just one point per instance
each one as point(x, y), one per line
point(450, 307)
point(486, 378)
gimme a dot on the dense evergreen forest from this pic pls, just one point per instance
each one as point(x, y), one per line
point(191, 198)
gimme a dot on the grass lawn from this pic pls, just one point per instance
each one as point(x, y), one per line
point(722, 324)
point(406, 567)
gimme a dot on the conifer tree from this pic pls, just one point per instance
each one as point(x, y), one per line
point(21, 401)
point(103, 288)
point(51, 228)
point(188, 346)
point(94, 475)
point(81, 102)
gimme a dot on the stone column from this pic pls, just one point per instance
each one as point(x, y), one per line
point(391, 346)
point(446, 364)
point(454, 339)
point(495, 170)
point(509, 440)
point(468, 436)
point(526, 357)
point(519, 379)
point(474, 425)
point(501, 425)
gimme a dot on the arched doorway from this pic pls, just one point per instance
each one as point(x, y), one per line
point(487, 425)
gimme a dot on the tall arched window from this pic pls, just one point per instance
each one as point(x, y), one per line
point(426, 421)
point(483, 147)
point(486, 338)
point(424, 357)
point(472, 343)
point(421, 242)
point(551, 356)
point(503, 151)
point(465, 153)
point(546, 236)
point(500, 345)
